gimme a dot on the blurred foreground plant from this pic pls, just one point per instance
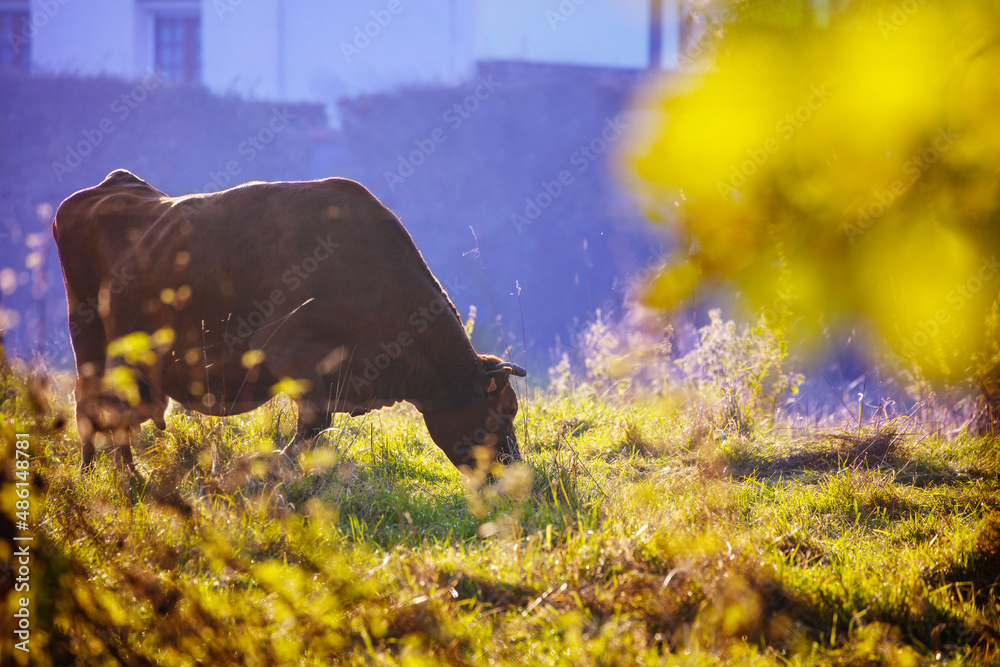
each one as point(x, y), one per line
point(852, 160)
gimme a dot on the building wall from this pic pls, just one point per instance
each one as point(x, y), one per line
point(671, 25)
point(85, 38)
point(599, 33)
point(316, 51)
point(241, 48)
point(320, 51)
point(363, 47)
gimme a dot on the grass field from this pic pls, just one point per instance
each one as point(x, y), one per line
point(639, 531)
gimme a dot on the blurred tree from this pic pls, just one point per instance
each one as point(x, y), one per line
point(837, 162)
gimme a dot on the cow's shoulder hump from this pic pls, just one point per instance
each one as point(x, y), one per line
point(347, 188)
point(120, 177)
point(120, 194)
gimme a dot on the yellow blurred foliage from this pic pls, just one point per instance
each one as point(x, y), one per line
point(294, 388)
point(120, 381)
point(252, 358)
point(842, 171)
point(140, 347)
point(134, 348)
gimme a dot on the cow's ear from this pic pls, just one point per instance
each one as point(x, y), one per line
point(497, 380)
point(492, 381)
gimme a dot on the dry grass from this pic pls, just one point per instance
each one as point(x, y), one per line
point(621, 541)
point(867, 450)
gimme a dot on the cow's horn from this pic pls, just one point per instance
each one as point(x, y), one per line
point(514, 369)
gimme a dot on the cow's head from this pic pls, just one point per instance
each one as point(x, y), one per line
point(481, 430)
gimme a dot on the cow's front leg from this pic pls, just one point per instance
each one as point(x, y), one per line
point(87, 434)
point(313, 420)
point(122, 441)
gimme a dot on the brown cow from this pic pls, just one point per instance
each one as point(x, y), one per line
point(220, 300)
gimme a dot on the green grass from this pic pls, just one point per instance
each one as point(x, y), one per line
point(634, 533)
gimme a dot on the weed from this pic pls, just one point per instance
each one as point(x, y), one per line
point(637, 529)
point(742, 370)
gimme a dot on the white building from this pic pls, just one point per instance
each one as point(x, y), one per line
point(322, 50)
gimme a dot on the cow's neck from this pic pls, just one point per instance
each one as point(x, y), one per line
point(449, 368)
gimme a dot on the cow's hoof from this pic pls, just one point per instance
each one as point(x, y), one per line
point(289, 452)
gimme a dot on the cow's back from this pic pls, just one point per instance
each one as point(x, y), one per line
point(329, 241)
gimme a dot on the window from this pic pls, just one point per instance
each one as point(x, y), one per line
point(15, 47)
point(177, 47)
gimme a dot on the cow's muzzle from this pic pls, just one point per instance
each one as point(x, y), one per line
point(509, 453)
